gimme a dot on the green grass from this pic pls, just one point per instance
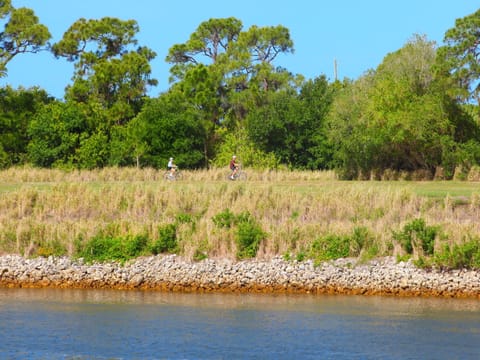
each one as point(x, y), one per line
point(429, 189)
point(442, 189)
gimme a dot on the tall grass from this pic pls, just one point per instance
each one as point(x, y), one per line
point(53, 211)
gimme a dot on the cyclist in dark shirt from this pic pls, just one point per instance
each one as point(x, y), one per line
point(233, 167)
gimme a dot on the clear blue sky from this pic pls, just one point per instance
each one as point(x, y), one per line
point(357, 33)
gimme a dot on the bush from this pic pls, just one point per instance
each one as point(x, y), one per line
point(199, 255)
point(359, 239)
point(167, 239)
point(417, 234)
point(465, 255)
point(248, 238)
point(249, 232)
point(108, 248)
point(251, 156)
point(184, 218)
point(330, 247)
point(224, 219)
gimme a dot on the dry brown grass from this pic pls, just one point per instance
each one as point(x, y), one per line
point(39, 207)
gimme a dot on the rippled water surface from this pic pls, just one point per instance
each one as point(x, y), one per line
point(97, 324)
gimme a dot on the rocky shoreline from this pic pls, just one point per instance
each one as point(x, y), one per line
point(172, 273)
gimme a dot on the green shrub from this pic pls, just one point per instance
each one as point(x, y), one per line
point(423, 262)
point(237, 142)
point(167, 239)
point(199, 255)
point(465, 255)
point(249, 236)
point(417, 234)
point(135, 246)
point(184, 218)
point(225, 219)
point(300, 256)
point(359, 239)
point(249, 233)
point(371, 251)
point(330, 247)
point(403, 258)
point(107, 248)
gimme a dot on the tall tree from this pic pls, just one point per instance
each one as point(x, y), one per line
point(235, 60)
point(22, 33)
point(110, 69)
point(398, 117)
point(210, 43)
point(17, 108)
point(221, 71)
point(460, 56)
point(263, 45)
point(55, 133)
point(166, 127)
point(291, 125)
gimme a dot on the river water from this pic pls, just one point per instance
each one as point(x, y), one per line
point(109, 324)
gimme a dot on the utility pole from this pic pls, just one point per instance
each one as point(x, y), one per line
point(335, 69)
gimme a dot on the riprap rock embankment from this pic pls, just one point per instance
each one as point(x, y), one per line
point(172, 273)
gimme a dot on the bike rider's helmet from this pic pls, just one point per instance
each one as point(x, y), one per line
point(171, 158)
point(234, 157)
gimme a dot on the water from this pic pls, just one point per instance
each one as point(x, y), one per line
point(101, 324)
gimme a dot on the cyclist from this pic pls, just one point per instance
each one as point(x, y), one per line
point(233, 167)
point(171, 167)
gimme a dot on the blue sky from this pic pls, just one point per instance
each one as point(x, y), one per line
point(358, 34)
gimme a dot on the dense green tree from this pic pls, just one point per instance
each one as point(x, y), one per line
point(17, 107)
point(210, 43)
point(222, 70)
point(56, 132)
point(398, 117)
point(110, 69)
point(316, 97)
point(167, 127)
point(248, 153)
point(93, 150)
point(129, 144)
point(253, 55)
point(199, 66)
point(22, 33)
point(345, 130)
point(292, 125)
point(232, 61)
point(460, 56)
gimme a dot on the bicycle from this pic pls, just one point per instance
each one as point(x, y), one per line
point(239, 175)
point(169, 176)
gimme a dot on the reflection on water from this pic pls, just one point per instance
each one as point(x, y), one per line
point(112, 324)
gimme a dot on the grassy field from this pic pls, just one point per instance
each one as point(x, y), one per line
point(293, 214)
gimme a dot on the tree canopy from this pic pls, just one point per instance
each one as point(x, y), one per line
point(22, 33)
point(461, 54)
point(397, 117)
point(109, 70)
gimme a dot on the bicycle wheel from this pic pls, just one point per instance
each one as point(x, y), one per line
point(242, 176)
point(178, 175)
point(169, 176)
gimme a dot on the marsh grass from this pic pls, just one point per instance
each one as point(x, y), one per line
point(50, 212)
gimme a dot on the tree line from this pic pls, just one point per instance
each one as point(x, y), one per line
point(417, 111)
